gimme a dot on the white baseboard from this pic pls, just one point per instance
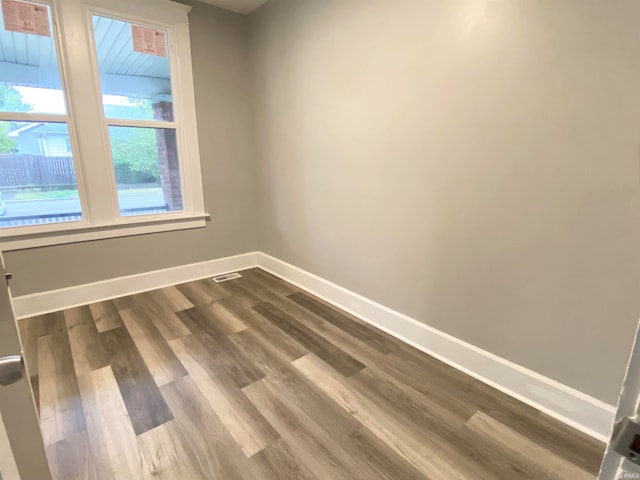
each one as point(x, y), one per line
point(54, 300)
point(564, 403)
point(568, 405)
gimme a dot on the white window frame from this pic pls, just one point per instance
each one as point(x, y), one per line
point(72, 32)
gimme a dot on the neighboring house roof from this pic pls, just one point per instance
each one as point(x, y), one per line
point(16, 133)
point(60, 128)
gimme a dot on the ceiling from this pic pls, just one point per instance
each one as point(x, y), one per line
point(239, 6)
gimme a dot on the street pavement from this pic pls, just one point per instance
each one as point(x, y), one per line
point(21, 208)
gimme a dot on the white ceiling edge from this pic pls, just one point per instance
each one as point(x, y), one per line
point(239, 6)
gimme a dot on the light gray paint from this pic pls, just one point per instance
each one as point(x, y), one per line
point(221, 75)
point(473, 164)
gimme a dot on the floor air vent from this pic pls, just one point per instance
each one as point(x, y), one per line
point(226, 276)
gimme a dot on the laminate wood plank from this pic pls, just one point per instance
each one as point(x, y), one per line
point(155, 351)
point(202, 292)
point(342, 340)
point(123, 303)
point(166, 321)
point(406, 404)
point(437, 381)
point(385, 342)
point(72, 459)
point(278, 462)
point(207, 442)
point(216, 289)
point(86, 346)
point(543, 462)
point(353, 346)
point(225, 354)
point(424, 454)
point(354, 332)
point(105, 315)
point(572, 445)
point(374, 461)
point(196, 293)
point(106, 308)
point(60, 406)
point(257, 323)
point(164, 456)
point(263, 354)
point(297, 392)
point(111, 437)
point(291, 308)
point(465, 395)
point(366, 334)
point(33, 328)
point(112, 322)
point(379, 456)
point(227, 320)
point(276, 284)
point(235, 288)
point(171, 299)
point(142, 398)
point(342, 362)
point(245, 424)
point(413, 412)
point(305, 438)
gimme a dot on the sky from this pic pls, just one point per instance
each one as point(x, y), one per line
point(46, 100)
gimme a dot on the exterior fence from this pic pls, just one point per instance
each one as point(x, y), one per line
point(36, 171)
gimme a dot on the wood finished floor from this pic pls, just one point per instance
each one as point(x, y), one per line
point(255, 379)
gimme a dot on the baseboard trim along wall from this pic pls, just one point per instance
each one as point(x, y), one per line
point(54, 300)
point(567, 404)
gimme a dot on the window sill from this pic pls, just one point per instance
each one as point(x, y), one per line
point(86, 233)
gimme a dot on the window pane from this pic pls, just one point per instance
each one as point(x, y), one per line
point(29, 75)
point(134, 70)
point(37, 178)
point(145, 161)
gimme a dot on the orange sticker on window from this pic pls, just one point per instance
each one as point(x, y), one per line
point(149, 41)
point(26, 18)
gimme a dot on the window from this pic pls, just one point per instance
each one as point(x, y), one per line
point(37, 172)
point(97, 121)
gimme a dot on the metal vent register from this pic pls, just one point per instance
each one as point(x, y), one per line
point(226, 276)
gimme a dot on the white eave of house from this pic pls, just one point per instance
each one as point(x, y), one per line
point(15, 133)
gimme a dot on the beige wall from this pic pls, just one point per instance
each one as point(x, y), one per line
point(473, 164)
point(221, 75)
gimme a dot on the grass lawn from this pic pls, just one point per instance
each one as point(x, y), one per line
point(58, 194)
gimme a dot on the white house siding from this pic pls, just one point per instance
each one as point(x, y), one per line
point(56, 146)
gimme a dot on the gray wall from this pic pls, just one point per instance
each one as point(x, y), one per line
point(219, 44)
point(473, 164)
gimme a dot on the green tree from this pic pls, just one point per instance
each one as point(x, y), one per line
point(134, 150)
point(10, 101)
point(135, 154)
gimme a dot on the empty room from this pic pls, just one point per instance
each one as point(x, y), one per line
point(319, 239)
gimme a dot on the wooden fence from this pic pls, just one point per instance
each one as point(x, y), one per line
point(36, 171)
